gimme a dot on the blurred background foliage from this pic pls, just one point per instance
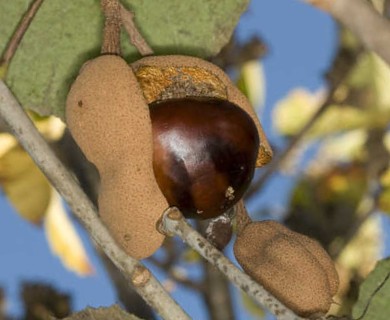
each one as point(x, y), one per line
point(340, 163)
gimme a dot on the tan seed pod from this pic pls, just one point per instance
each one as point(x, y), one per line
point(294, 268)
point(320, 254)
point(108, 117)
point(175, 76)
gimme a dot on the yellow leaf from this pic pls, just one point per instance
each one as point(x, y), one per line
point(7, 142)
point(191, 256)
point(34, 199)
point(52, 128)
point(292, 112)
point(373, 74)
point(25, 186)
point(344, 147)
point(386, 141)
point(384, 200)
point(364, 249)
point(251, 82)
point(63, 239)
point(385, 179)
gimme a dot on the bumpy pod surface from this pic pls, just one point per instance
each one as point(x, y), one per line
point(109, 119)
point(293, 267)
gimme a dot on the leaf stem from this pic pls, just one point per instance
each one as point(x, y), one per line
point(116, 16)
point(135, 36)
point(17, 36)
point(242, 217)
point(112, 27)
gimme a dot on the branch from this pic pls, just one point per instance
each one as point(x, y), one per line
point(71, 156)
point(130, 300)
point(173, 223)
point(140, 277)
point(217, 293)
point(343, 63)
point(274, 165)
point(112, 27)
point(117, 15)
point(13, 44)
point(216, 287)
point(363, 20)
point(135, 36)
point(177, 277)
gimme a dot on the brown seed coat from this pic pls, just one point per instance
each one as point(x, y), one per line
point(181, 76)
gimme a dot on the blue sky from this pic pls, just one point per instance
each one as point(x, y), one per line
point(301, 43)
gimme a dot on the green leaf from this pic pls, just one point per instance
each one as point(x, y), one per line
point(374, 295)
point(64, 34)
point(373, 75)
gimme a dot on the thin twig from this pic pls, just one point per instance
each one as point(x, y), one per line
point(365, 209)
point(217, 293)
point(363, 20)
point(140, 277)
point(343, 63)
point(185, 281)
point(175, 276)
point(112, 27)
point(173, 223)
point(280, 158)
point(117, 15)
point(242, 217)
point(13, 43)
point(135, 36)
